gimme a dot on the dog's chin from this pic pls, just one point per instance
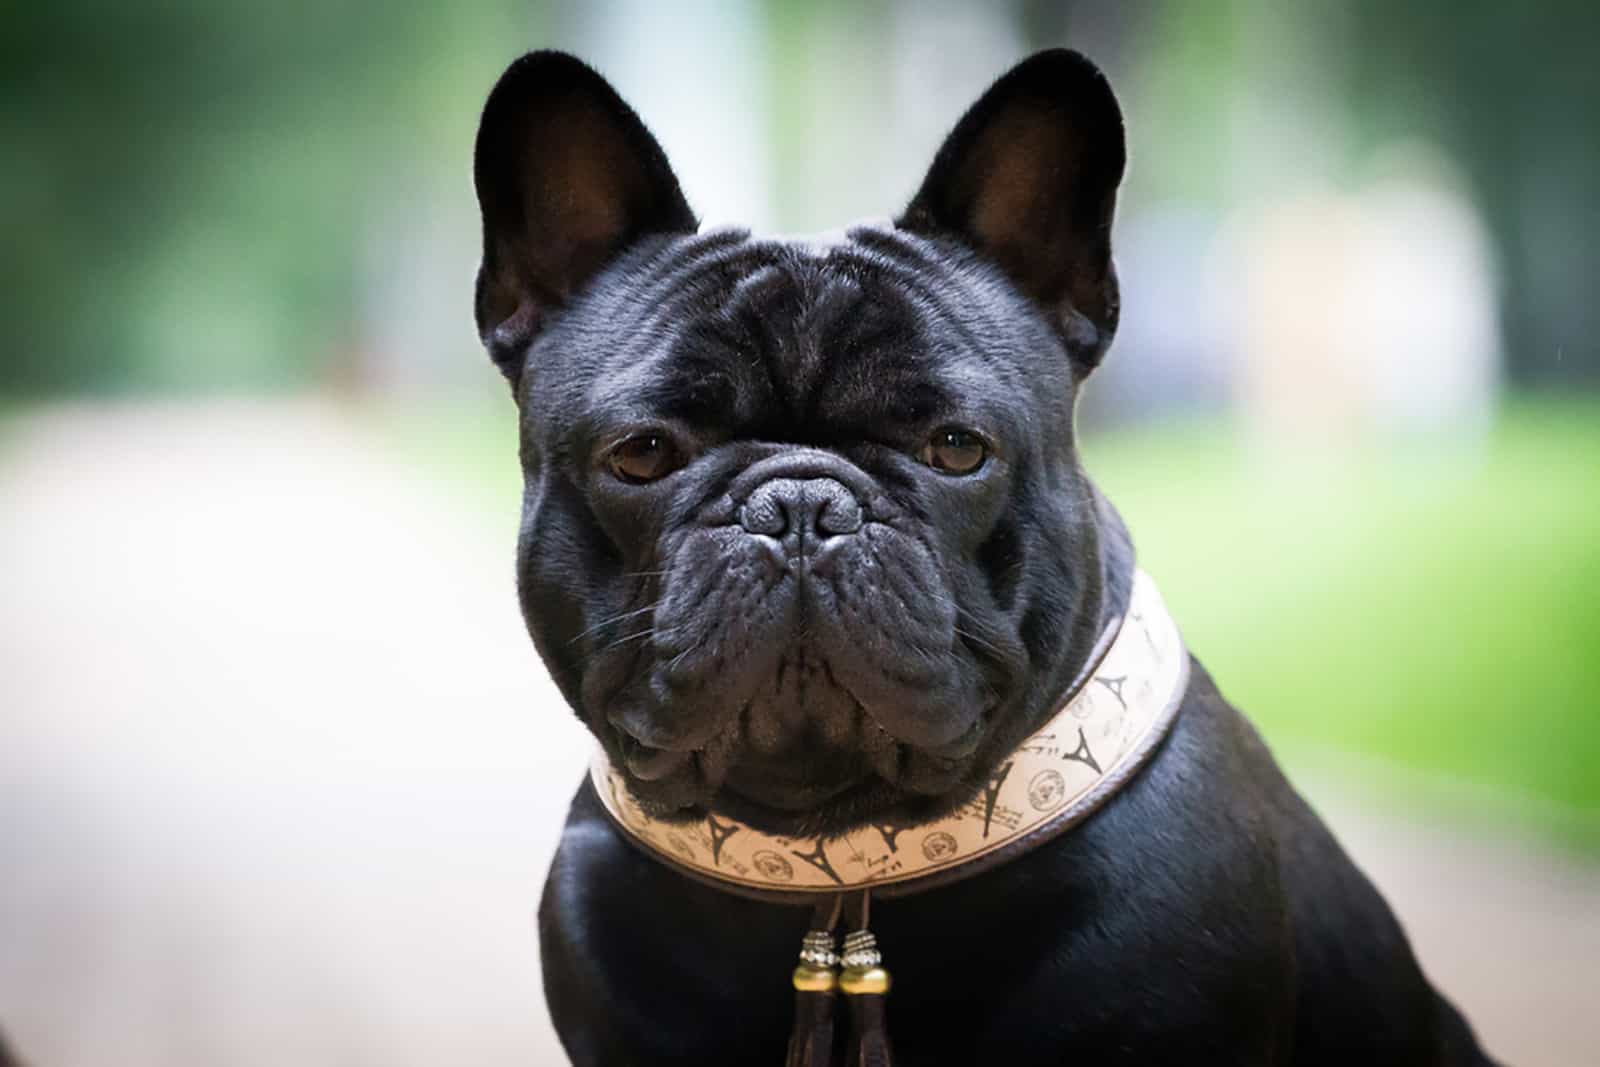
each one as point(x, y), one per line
point(795, 787)
point(869, 802)
point(798, 759)
point(811, 797)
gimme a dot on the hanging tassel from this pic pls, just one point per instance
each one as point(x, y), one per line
point(816, 980)
point(866, 984)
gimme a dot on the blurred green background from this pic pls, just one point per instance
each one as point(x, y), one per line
point(1367, 468)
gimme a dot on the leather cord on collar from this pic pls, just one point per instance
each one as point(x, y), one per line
point(857, 972)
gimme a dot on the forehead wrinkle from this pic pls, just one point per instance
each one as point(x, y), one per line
point(676, 285)
point(644, 321)
point(873, 342)
point(771, 312)
point(927, 281)
point(630, 375)
point(650, 277)
point(817, 335)
point(942, 289)
point(722, 336)
point(829, 336)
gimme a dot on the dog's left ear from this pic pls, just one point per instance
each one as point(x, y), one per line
point(567, 177)
point(1028, 178)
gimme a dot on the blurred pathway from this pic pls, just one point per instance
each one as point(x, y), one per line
point(280, 773)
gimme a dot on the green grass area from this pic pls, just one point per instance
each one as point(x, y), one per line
point(1437, 609)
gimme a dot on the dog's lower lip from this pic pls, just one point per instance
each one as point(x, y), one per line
point(793, 798)
point(963, 746)
point(652, 764)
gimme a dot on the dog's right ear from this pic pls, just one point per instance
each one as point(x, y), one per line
point(567, 176)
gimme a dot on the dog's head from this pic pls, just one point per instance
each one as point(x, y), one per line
point(804, 535)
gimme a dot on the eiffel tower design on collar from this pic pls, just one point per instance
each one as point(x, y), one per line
point(1109, 726)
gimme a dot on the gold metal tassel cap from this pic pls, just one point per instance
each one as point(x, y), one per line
point(869, 980)
point(863, 972)
point(815, 983)
point(817, 971)
point(810, 978)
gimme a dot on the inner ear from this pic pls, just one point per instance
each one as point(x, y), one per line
point(567, 176)
point(1028, 179)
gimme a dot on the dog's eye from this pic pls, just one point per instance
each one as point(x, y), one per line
point(644, 458)
point(955, 451)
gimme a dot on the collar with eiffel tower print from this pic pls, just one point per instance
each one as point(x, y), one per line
point(1110, 725)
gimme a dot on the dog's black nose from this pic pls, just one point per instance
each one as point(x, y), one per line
point(800, 509)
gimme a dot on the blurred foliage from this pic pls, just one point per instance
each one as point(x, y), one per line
point(188, 184)
point(1513, 91)
point(1432, 611)
point(191, 187)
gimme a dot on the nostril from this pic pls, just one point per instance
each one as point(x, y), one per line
point(838, 513)
point(765, 513)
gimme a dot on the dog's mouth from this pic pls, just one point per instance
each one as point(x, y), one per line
point(781, 786)
point(742, 768)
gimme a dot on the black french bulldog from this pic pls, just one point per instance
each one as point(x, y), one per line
point(806, 541)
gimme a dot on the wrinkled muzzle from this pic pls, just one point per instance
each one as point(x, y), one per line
point(805, 634)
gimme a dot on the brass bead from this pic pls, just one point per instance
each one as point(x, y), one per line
point(858, 980)
point(814, 978)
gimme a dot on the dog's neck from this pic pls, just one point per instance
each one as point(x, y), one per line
point(1117, 713)
point(1114, 550)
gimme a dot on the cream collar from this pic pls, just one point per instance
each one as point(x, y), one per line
point(1099, 739)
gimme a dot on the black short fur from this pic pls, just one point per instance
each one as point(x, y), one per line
point(762, 585)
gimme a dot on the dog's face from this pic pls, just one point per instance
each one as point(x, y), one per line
point(805, 538)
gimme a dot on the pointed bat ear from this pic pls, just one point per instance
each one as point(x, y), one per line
point(567, 177)
point(1028, 179)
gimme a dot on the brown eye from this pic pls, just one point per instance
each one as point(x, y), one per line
point(644, 458)
point(955, 451)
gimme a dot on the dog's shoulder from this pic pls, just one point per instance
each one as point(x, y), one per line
point(1358, 988)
